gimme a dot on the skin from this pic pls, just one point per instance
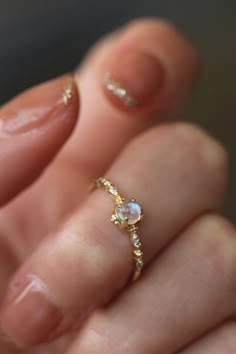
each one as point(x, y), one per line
point(176, 171)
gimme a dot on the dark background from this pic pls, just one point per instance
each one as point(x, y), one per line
point(41, 39)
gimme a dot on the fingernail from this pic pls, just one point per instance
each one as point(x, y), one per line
point(133, 79)
point(29, 313)
point(37, 107)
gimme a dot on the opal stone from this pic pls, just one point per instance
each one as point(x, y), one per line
point(129, 212)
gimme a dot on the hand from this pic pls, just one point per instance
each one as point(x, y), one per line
point(70, 264)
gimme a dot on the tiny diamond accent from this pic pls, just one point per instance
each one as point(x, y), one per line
point(134, 237)
point(102, 180)
point(107, 184)
point(137, 243)
point(113, 190)
point(113, 217)
point(139, 264)
point(138, 253)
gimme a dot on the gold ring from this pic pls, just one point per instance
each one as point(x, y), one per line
point(125, 214)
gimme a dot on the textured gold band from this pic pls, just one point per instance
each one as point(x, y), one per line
point(126, 214)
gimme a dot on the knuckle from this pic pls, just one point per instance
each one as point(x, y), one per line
point(200, 143)
point(186, 140)
point(205, 152)
point(211, 159)
point(218, 239)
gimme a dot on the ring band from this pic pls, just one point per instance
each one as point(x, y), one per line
point(125, 214)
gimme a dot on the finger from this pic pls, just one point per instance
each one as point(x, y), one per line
point(89, 259)
point(189, 290)
point(221, 340)
point(159, 68)
point(33, 127)
point(106, 125)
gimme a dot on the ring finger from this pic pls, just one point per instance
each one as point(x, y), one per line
point(176, 171)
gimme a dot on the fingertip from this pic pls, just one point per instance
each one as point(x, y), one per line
point(164, 28)
point(33, 128)
point(151, 65)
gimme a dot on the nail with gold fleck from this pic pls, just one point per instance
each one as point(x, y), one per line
point(133, 79)
point(119, 91)
point(37, 107)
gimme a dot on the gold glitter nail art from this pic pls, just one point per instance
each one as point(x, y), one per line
point(116, 88)
point(68, 90)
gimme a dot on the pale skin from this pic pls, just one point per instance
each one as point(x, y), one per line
point(64, 265)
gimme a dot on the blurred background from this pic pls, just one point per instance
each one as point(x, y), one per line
point(42, 39)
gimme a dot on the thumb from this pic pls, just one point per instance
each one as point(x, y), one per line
point(33, 127)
